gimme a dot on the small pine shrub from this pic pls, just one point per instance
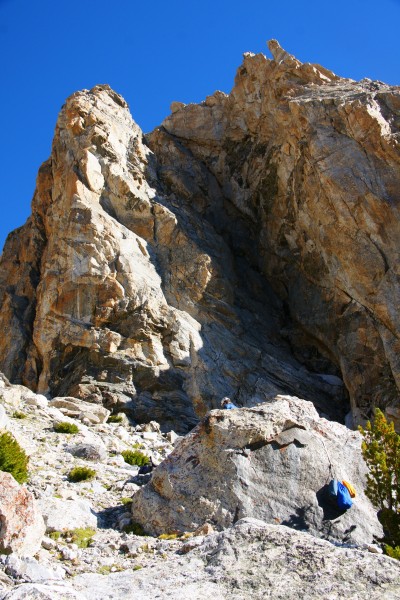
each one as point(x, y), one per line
point(137, 567)
point(115, 418)
point(55, 535)
point(13, 458)
point(135, 457)
point(66, 427)
point(81, 474)
point(17, 414)
point(381, 451)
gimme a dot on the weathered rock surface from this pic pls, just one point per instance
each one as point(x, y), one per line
point(40, 591)
point(21, 524)
point(311, 163)
point(271, 462)
point(72, 407)
point(252, 559)
point(29, 569)
point(144, 278)
point(66, 515)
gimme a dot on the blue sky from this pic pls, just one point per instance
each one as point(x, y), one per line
point(156, 52)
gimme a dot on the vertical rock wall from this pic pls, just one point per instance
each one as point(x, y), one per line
point(246, 247)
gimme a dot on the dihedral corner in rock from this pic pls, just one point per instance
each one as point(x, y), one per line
point(246, 247)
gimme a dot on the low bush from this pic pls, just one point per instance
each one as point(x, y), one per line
point(66, 427)
point(81, 474)
point(168, 536)
point(126, 500)
point(134, 528)
point(135, 457)
point(17, 414)
point(13, 458)
point(115, 418)
point(81, 537)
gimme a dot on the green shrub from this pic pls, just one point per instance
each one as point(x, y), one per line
point(81, 537)
point(13, 458)
point(168, 536)
point(66, 427)
point(81, 474)
point(134, 528)
point(393, 552)
point(17, 414)
point(126, 500)
point(135, 457)
point(55, 535)
point(381, 451)
point(115, 418)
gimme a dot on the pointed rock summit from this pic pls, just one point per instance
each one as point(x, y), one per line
point(248, 246)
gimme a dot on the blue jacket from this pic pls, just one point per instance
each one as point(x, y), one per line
point(229, 406)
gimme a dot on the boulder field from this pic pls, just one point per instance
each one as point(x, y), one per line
point(271, 461)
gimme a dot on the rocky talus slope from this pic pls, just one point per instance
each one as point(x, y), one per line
point(250, 558)
point(248, 246)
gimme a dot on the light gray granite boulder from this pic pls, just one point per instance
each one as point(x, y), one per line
point(272, 462)
point(40, 591)
point(66, 515)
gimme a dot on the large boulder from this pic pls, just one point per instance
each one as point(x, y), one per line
point(250, 560)
point(79, 409)
point(66, 515)
point(21, 524)
point(271, 462)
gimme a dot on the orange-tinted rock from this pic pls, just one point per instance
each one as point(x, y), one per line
point(21, 524)
point(244, 248)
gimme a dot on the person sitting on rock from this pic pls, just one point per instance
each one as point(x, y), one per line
point(227, 404)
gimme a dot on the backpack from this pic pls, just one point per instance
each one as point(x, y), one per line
point(344, 500)
point(351, 488)
point(332, 490)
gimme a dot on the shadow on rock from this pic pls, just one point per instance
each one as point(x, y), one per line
point(298, 520)
point(331, 511)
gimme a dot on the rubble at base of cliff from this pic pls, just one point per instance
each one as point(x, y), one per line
point(119, 556)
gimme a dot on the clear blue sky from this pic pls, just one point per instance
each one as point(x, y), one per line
point(156, 52)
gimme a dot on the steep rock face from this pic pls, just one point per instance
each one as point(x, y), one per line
point(272, 462)
point(141, 279)
point(311, 162)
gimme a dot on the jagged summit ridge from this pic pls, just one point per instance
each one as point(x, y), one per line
point(248, 247)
